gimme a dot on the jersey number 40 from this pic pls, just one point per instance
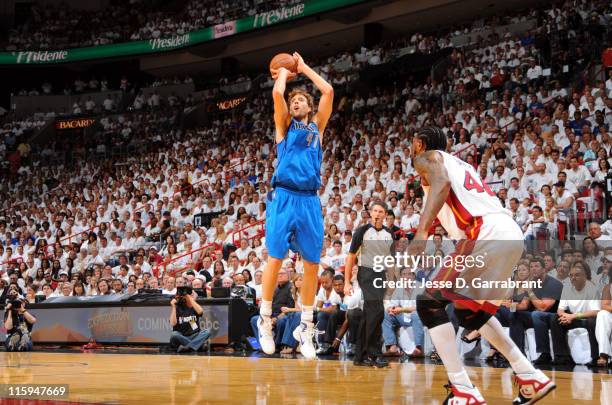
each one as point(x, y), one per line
point(470, 183)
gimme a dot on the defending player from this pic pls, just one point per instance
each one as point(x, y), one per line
point(472, 214)
point(293, 213)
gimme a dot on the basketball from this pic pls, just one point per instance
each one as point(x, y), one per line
point(284, 60)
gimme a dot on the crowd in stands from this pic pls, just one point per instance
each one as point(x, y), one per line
point(540, 139)
point(61, 27)
point(95, 85)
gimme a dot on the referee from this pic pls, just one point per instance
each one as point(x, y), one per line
point(379, 243)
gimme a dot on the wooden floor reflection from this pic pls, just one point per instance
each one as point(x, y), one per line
point(173, 379)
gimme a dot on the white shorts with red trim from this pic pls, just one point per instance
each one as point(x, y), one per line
point(481, 268)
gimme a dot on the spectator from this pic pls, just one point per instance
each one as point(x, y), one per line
point(18, 323)
point(336, 320)
point(603, 328)
point(401, 312)
point(185, 321)
point(282, 298)
point(537, 311)
point(578, 309)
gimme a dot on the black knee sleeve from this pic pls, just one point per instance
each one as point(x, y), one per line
point(471, 320)
point(431, 311)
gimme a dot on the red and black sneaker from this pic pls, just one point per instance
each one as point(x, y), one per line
point(462, 395)
point(532, 387)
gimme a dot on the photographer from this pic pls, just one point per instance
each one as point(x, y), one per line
point(18, 323)
point(185, 321)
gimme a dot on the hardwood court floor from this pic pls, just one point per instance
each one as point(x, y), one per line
point(179, 379)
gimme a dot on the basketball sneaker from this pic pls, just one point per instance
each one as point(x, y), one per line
point(462, 395)
point(266, 337)
point(532, 387)
point(305, 334)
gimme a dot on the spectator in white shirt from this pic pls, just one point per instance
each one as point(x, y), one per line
point(603, 327)
point(243, 251)
point(578, 308)
point(336, 260)
point(535, 224)
point(595, 232)
point(534, 72)
point(519, 214)
point(516, 191)
point(578, 174)
point(410, 220)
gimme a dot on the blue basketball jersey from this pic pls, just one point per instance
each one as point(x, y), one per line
point(299, 158)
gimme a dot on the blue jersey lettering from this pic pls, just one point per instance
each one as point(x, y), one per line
point(299, 158)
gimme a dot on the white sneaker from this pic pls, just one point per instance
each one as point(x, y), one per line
point(266, 336)
point(304, 334)
point(532, 387)
point(463, 395)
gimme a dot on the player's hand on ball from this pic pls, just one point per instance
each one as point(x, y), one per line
point(276, 72)
point(300, 62)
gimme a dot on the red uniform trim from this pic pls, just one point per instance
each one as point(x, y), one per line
point(471, 226)
point(466, 222)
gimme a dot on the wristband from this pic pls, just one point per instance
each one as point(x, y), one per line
point(579, 315)
point(338, 340)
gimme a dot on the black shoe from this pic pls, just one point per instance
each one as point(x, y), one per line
point(543, 360)
point(564, 361)
point(380, 362)
point(183, 349)
point(367, 362)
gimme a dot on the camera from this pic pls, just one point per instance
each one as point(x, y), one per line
point(15, 304)
point(239, 291)
point(182, 291)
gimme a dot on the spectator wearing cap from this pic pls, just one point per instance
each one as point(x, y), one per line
point(63, 276)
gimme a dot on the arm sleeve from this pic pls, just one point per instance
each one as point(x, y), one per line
point(357, 240)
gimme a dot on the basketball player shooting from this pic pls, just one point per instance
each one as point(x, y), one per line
point(472, 214)
point(293, 212)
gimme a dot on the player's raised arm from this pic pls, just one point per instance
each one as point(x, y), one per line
point(281, 112)
point(326, 102)
point(430, 166)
